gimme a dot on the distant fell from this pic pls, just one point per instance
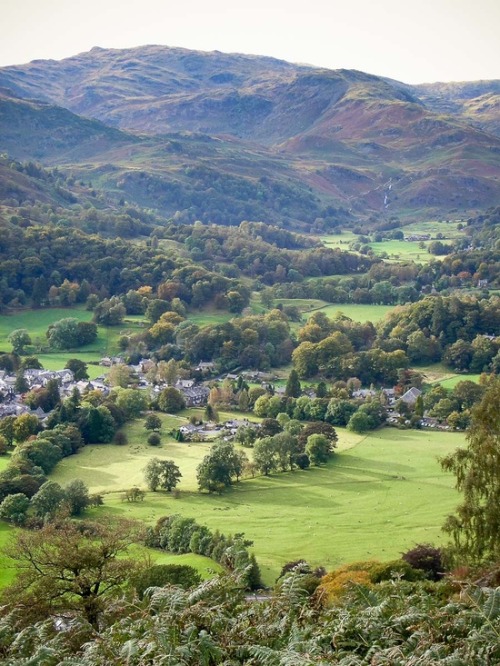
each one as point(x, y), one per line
point(228, 137)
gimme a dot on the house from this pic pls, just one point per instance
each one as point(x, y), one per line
point(205, 366)
point(184, 384)
point(411, 395)
point(195, 396)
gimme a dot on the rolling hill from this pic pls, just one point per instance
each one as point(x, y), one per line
point(226, 137)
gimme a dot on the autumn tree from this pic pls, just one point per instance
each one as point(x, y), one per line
point(67, 566)
point(475, 525)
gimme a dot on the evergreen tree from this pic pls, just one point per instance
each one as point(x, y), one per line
point(293, 388)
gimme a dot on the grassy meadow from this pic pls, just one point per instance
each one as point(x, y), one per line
point(36, 322)
point(381, 494)
point(438, 373)
point(400, 250)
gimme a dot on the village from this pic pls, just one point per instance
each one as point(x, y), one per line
point(195, 393)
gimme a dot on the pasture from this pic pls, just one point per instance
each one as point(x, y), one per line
point(381, 494)
point(438, 373)
point(360, 312)
point(36, 322)
point(401, 250)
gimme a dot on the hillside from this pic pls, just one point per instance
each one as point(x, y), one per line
point(228, 137)
point(477, 102)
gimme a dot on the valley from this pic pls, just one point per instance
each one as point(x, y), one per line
point(249, 344)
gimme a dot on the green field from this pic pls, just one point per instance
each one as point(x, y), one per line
point(36, 322)
point(437, 373)
point(356, 311)
point(210, 317)
point(204, 565)
point(380, 495)
point(360, 312)
point(400, 250)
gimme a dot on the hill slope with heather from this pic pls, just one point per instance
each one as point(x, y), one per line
point(235, 137)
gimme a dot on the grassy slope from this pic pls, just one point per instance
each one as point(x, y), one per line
point(37, 321)
point(380, 495)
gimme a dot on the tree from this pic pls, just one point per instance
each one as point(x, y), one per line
point(14, 508)
point(48, 500)
point(360, 422)
point(109, 312)
point(76, 497)
point(24, 426)
point(152, 422)
point(97, 424)
point(154, 439)
point(475, 526)
point(162, 474)
point(160, 575)
point(7, 429)
point(265, 455)
point(318, 448)
point(21, 385)
point(78, 368)
point(64, 334)
point(119, 375)
point(131, 401)
point(171, 400)
point(71, 567)
point(218, 468)
point(19, 339)
point(293, 388)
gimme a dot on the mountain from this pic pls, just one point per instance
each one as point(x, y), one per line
point(228, 135)
point(476, 102)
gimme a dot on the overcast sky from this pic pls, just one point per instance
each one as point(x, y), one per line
point(413, 41)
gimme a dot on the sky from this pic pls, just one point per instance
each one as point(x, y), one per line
point(414, 41)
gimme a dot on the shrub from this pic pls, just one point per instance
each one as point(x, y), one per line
point(160, 575)
point(154, 439)
point(426, 558)
point(120, 438)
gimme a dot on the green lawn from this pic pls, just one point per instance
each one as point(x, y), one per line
point(379, 496)
point(356, 311)
point(398, 250)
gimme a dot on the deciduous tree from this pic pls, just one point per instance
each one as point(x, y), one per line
point(475, 526)
point(70, 567)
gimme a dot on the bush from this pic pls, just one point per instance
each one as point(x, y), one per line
point(120, 438)
point(394, 569)
point(426, 558)
point(154, 439)
point(160, 575)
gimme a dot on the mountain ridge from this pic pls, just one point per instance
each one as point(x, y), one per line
point(352, 139)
